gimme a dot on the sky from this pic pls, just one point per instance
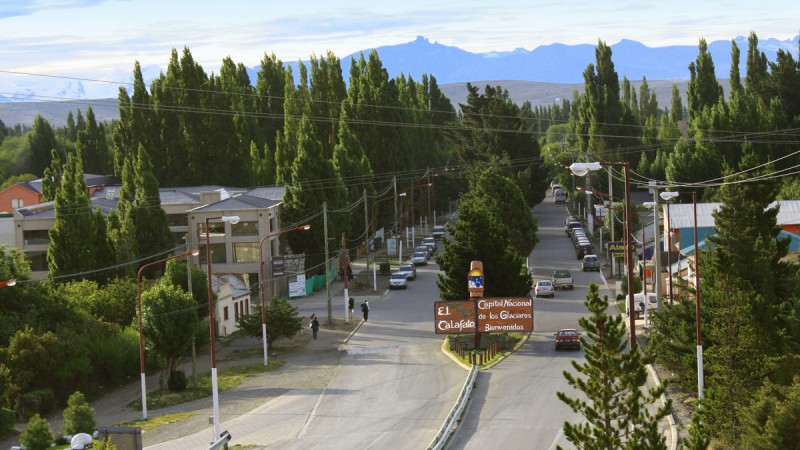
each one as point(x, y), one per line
point(103, 38)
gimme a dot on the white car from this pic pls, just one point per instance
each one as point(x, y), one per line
point(420, 258)
point(544, 288)
point(398, 281)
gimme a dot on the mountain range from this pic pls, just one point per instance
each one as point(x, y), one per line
point(554, 64)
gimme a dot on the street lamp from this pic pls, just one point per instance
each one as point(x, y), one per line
point(582, 169)
point(667, 196)
point(141, 331)
point(8, 283)
point(656, 253)
point(214, 391)
point(261, 266)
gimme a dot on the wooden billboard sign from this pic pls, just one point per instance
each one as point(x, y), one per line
point(484, 315)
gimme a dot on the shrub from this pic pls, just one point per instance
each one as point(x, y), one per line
point(177, 381)
point(41, 401)
point(78, 416)
point(6, 421)
point(37, 435)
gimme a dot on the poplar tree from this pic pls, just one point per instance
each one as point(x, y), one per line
point(704, 90)
point(73, 234)
point(41, 142)
point(92, 146)
point(615, 405)
point(153, 235)
point(313, 182)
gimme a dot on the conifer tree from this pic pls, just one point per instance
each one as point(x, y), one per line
point(353, 168)
point(704, 90)
point(270, 86)
point(79, 417)
point(51, 179)
point(477, 235)
point(617, 406)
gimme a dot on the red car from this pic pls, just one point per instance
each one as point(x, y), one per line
point(568, 337)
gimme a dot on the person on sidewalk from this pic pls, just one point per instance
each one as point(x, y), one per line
point(349, 273)
point(351, 303)
point(314, 326)
point(365, 309)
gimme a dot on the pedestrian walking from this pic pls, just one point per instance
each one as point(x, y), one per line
point(365, 310)
point(351, 303)
point(349, 273)
point(314, 325)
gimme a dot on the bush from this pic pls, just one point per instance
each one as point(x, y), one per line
point(41, 401)
point(177, 381)
point(37, 435)
point(78, 416)
point(6, 421)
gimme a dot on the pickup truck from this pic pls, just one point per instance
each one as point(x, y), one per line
point(562, 279)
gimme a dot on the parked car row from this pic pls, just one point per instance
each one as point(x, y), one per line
point(580, 241)
point(408, 271)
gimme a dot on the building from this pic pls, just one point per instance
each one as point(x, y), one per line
point(234, 247)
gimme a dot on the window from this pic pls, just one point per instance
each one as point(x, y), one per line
point(217, 229)
point(236, 311)
point(17, 203)
point(218, 253)
point(38, 261)
point(225, 313)
point(177, 220)
point(244, 228)
point(245, 252)
point(36, 237)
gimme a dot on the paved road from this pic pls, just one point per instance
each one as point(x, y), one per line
point(393, 388)
point(515, 403)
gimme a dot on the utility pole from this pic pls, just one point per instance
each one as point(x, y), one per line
point(427, 222)
point(346, 277)
point(656, 252)
point(366, 230)
point(189, 266)
point(327, 265)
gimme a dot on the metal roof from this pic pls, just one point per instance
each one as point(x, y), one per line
point(682, 214)
point(239, 202)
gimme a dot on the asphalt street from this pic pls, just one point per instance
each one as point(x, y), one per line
point(514, 405)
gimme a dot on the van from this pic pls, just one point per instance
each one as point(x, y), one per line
point(560, 196)
point(639, 303)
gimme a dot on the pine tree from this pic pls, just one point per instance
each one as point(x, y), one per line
point(37, 434)
point(78, 416)
point(704, 90)
point(478, 236)
point(617, 409)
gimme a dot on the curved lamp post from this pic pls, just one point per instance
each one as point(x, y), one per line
point(141, 330)
point(214, 389)
point(582, 169)
point(263, 298)
point(667, 196)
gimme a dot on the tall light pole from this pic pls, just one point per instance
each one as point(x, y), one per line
point(141, 328)
point(582, 169)
point(263, 280)
point(668, 196)
point(214, 389)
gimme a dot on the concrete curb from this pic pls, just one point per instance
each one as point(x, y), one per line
point(673, 428)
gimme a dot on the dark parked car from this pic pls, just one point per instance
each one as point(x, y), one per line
point(583, 249)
